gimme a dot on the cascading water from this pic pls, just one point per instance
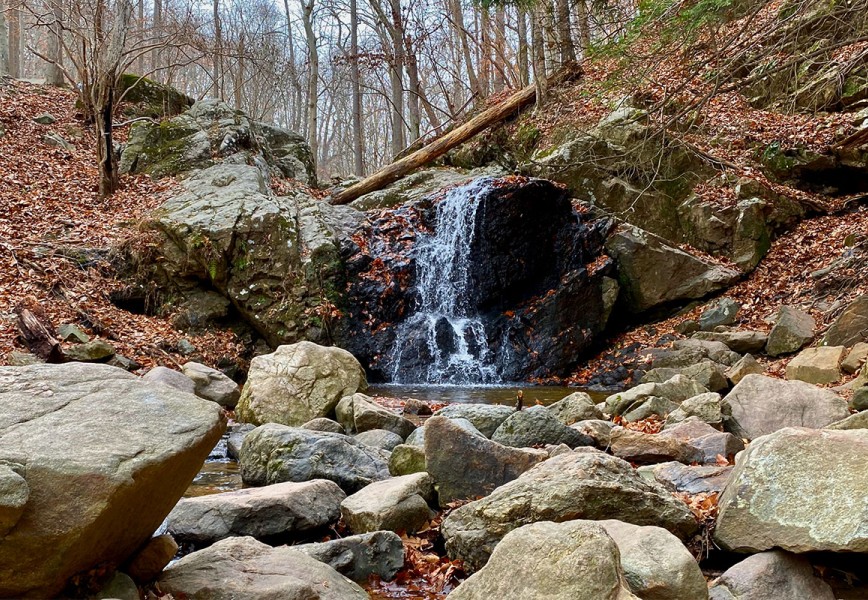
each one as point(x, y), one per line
point(445, 325)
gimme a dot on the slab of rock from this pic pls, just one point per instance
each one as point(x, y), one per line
point(597, 429)
point(485, 417)
point(748, 365)
point(212, 385)
point(152, 558)
point(536, 426)
point(583, 484)
point(761, 405)
point(69, 332)
point(706, 407)
point(324, 424)
point(283, 510)
point(706, 439)
point(677, 389)
point(716, 351)
point(93, 351)
point(857, 421)
point(417, 438)
point(465, 465)
point(297, 383)
point(578, 406)
point(707, 373)
point(237, 433)
point(357, 557)
point(395, 504)
point(656, 564)
point(689, 479)
point(242, 567)
point(725, 312)
point(275, 453)
point(859, 401)
point(742, 342)
point(406, 459)
point(654, 273)
point(775, 574)
point(170, 377)
point(645, 448)
point(799, 490)
point(380, 438)
point(124, 446)
point(851, 326)
point(358, 413)
point(817, 365)
point(855, 358)
point(576, 560)
point(652, 406)
point(793, 329)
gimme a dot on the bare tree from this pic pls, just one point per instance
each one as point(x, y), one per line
point(4, 41)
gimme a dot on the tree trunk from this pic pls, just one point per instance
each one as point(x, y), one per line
point(140, 61)
point(584, 26)
point(396, 31)
point(156, 56)
point(14, 24)
point(458, 23)
point(523, 60)
point(53, 72)
point(4, 41)
point(108, 174)
point(216, 74)
point(413, 98)
point(312, 78)
point(355, 76)
point(565, 35)
point(538, 51)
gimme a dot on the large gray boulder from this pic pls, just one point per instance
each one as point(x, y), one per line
point(583, 484)
point(675, 390)
point(708, 441)
point(798, 489)
point(707, 373)
point(283, 510)
point(578, 406)
point(740, 341)
point(536, 426)
point(723, 312)
point(358, 413)
point(645, 448)
point(297, 383)
point(653, 273)
point(171, 378)
point(213, 385)
point(85, 447)
point(699, 479)
point(851, 325)
point(577, 560)
point(274, 453)
point(819, 365)
point(395, 504)
point(656, 564)
point(793, 329)
point(707, 407)
point(775, 574)
point(357, 557)
point(465, 465)
point(242, 567)
point(760, 405)
point(485, 417)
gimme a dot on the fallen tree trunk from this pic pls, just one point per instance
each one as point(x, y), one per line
point(39, 335)
point(443, 144)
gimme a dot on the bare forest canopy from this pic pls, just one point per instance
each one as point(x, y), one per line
point(366, 81)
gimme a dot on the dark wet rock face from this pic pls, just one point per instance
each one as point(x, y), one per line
point(507, 289)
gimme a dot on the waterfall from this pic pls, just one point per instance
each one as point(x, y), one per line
point(445, 326)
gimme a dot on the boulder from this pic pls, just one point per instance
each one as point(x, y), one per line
point(69, 332)
point(406, 459)
point(742, 342)
point(800, 490)
point(775, 574)
point(656, 564)
point(358, 413)
point(703, 437)
point(578, 406)
point(417, 438)
point(297, 383)
point(583, 484)
point(793, 329)
point(859, 401)
point(324, 424)
point(280, 511)
point(688, 479)
point(93, 351)
point(237, 433)
point(706, 373)
point(414, 406)
point(714, 350)
point(706, 407)
point(275, 453)
point(850, 326)
point(485, 417)
point(748, 365)
point(242, 567)
point(651, 406)
point(817, 365)
point(855, 358)
point(576, 560)
point(379, 438)
point(395, 504)
point(465, 465)
point(724, 312)
point(213, 385)
point(44, 119)
point(170, 377)
point(653, 273)
point(676, 389)
point(152, 558)
point(857, 421)
point(120, 587)
point(761, 405)
point(645, 448)
point(597, 429)
point(123, 445)
point(357, 557)
point(537, 426)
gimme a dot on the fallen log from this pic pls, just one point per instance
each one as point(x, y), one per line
point(443, 144)
point(39, 335)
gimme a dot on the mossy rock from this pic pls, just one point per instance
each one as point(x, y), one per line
point(151, 99)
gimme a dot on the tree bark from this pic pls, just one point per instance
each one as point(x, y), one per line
point(538, 52)
point(312, 78)
point(355, 76)
point(458, 23)
point(39, 335)
point(216, 74)
point(4, 41)
point(14, 25)
point(53, 71)
point(565, 35)
point(523, 59)
point(584, 26)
